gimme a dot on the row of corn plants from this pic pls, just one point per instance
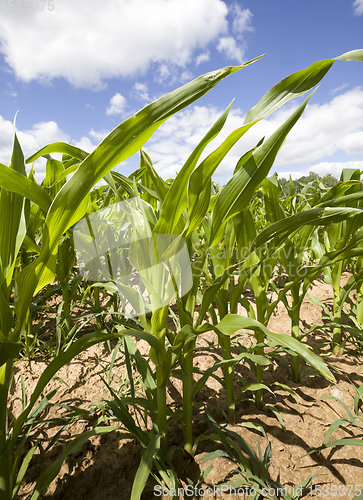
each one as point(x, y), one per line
point(143, 222)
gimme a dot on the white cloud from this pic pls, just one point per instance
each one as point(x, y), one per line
point(140, 91)
point(338, 89)
point(242, 20)
point(163, 73)
point(30, 141)
point(86, 144)
point(234, 47)
point(11, 93)
point(117, 105)
point(204, 57)
point(352, 143)
point(358, 4)
point(326, 129)
point(228, 46)
point(107, 39)
point(322, 131)
point(323, 169)
point(186, 76)
point(6, 140)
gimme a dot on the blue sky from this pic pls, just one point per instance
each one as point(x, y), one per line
point(74, 70)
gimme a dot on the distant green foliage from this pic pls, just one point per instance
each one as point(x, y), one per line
point(328, 181)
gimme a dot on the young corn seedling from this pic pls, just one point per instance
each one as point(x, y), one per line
point(336, 239)
point(252, 472)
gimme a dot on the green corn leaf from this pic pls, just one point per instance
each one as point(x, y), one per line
point(315, 216)
point(358, 398)
point(124, 182)
point(30, 246)
point(153, 341)
point(123, 415)
point(277, 414)
point(176, 201)
point(349, 198)
point(160, 185)
point(13, 227)
point(6, 323)
point(8, 349)
point(200, 181)
point(108, 178)
point(14, 211)
point(233, 322)
point(333, 427)
point(247, 155)
point(215, 454)
point(350, 414)
point(23, 469)
point(256, 427)
point(289, 88)
point(297, 84)
point(338, 442)
point(59, 147)
point(54, 169)
point(255, 387)
point(288, 389)
point(272, 193)
point(13, 181)
point(238, 191)
point(198, 386)
point(145, 468)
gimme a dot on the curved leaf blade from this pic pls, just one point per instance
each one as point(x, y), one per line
point(233, 322)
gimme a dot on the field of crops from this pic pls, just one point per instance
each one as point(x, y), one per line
point(175, 338)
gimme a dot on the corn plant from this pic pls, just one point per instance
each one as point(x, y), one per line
point(293, 253)
point(354, 419)
point(68, 206)
point(251, 474)
point(335, 239)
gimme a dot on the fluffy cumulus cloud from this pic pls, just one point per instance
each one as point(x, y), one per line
point(141, 92)
point(233, 47)
point(88, 144)
point(107, 39)
point(228, 46)
point(117, 105)
point(31, 140)
point(322, 131)
point(358, 7)
point(204, 57)
point(241, 21)
point(338, 89)
point(326, 129)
